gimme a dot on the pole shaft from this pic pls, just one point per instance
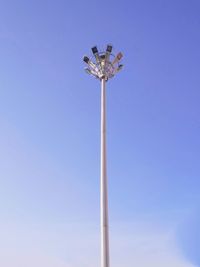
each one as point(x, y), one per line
point(104, 190)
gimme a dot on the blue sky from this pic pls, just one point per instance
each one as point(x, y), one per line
point(50, 133)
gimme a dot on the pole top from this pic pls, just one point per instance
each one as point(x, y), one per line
point(103, 65)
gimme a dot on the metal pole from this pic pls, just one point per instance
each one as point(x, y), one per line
point(103, 66)
point(104, 190)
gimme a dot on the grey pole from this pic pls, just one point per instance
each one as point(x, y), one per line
point(104, 186)
point(103, 66)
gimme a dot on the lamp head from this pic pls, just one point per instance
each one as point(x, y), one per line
point(119, 56)
point(109, 48)
point(94, 50)
point(86, 59)
point(103, 64)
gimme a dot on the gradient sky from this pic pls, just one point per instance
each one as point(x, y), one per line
point(50, 133)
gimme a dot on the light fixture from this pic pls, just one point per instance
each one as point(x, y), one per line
point(86, 59)
point(117, 58)
point(90, 63)
point(109, 48)
point(103, 64)
point(108, 52)
point(94, 50)
point(92, 72)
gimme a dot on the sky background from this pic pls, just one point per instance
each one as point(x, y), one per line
point(50, 133)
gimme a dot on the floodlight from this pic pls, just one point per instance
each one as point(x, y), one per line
point(119, 68)
point(108, 51)
point(109, 48)
point(89, 71)
point(96, 54)
point(117, 58)
point(90, 63)
point(86, 59)
point(100, 64)
point(94, 50)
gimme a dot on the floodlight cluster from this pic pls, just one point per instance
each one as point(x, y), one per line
point(103, 65)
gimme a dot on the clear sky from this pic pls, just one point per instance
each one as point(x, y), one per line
point(50, 133)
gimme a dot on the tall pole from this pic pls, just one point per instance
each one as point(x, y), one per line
point(103, 179)
point(103, 66)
